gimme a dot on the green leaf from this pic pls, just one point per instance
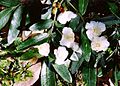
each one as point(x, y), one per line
point(5, 16)
point(47, 76)
point(39, 39)
point(85, 46)
point(27, 19)
point(114, 9)
point(15, 23)
point(100, 73)
point(109, 20)
point(76, 65)
point(30, 54)
point(74, 23)
point(83, 6)
point(45, 24)
point(75, 56)
point(112, 22)
point(62, 70)
point(58, 25)
point(117, 76)
point(89, 75)
point(47, 15)
point(9, 3)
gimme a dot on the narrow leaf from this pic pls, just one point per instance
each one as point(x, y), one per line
point(117, 76)
point(47, 76)
point(15, 23)
point(62, 70)
point(86, 48)
point(89, 75)
point(30, 54)
point(39, 39)
point(45, 24)
point(9, 3)
point(114, 9)
point(5, 16)
point(83, 6)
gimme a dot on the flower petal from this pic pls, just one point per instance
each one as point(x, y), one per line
point(65, 17)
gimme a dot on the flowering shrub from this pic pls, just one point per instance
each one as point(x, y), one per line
point(59, 43)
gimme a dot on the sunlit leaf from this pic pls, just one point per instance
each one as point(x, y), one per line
point(15, 23)
point(47, 15)
point(5, 16)
point(39, 39)
point(45, 24)
point(83, 6)
point(47, 76)
point(62, 70)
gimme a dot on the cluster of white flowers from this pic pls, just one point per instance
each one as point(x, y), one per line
point(94, 30)
point(67, 40)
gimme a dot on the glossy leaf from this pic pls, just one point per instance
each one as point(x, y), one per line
point(39, 39)
point(74, 23)
point(47, 15)
point(85, 46)
point(89, 75)
point(45, 24)
point(47, 76)
point(15, 23)
point(5, 16)
point(9, 3)
point(83, 6)
point(62, 70)
point(30, 54)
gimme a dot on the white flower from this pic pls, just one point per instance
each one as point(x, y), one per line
point(75, 47)
point(99, 44)
point(61, 54)
point(94, 29)
point(67, 37)
point(65, 17)
point(35, 69)
point(44, 49)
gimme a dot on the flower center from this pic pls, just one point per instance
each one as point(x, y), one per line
point(97, 45)
point(69, 37)
point(96, 30)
